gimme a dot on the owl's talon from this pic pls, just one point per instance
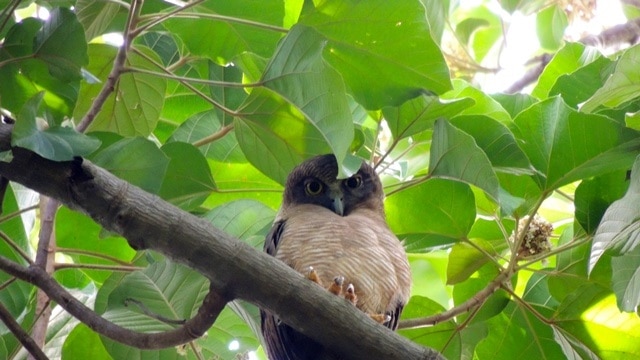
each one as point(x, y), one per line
point(380, 318)
point(351, 294)
point(336, 286)
point(313, 275)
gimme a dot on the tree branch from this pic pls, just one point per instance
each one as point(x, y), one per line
point(191, 330)
point(234, 268)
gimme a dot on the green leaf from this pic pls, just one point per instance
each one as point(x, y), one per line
point(466, 290)
point(482, 27)
point(622, 86)
point(83, 342)
point(163, 288)
point(384, 50)
point(497, 142)
point(626, 279)
point(619, 230)
point(230, 97)
point(243, 219)
point(62, 45)
point(304, 96)
point(484, 104)
point(594, 195)
point(162, 44)
point(135, 105)
point(592, 310)
point(56, 143)
point(565, 145)
point(96, 16)
point(23, 77)
point(437, 12)
point(419, 114)
point(77, 231)
point(551, 23)
point(443, 336)
point(455, 155)
point(229, 29)
point(123, 160)
point(581, 84)
point(465, 259)
point(517, 333)
point(188, 180)
point(437, 206)
point(201, 125)
point(567, 60)
point(514, 103)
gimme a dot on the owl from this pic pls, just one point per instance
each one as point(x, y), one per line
point(334, 232)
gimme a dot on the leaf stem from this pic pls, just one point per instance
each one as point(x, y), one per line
point(189, 86)
point(62, 266)
point(169, 75)
point(93, 254)
point(231, 19)
point(155, 20)
point(215, 136)
point(15, 247)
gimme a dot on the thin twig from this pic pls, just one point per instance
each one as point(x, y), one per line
point(15, 247)
point(17, 213)
point(118, 64)
point(22, 336)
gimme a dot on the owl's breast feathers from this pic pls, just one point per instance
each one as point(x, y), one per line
point(359, 247)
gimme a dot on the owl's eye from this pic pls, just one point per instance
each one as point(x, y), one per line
point(313, 187)
point(354, 182)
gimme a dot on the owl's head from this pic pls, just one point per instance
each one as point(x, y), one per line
point(315, 182)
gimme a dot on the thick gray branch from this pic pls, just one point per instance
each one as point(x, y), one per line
point(235, 269)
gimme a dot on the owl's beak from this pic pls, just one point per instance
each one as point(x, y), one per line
point(338, 204)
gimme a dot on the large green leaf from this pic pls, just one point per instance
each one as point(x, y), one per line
point(619, 233)
point(61, 44)
point(581, 84)
point(436, 207)
point(96, 16)
point(622, 86)
point(551, 24)
point(383, 49)
point(569, 59)
point(302, 95)
point(82, 342)
point(135, 105)
point(55, 143)
point(419, 114)
point(497, 142)
point(591, 317)
point(188, 180)
point(455, 155)
point(565, 145)
point(594, 195)
point(123, 159)
point(626, 279)
point(229, 29)
point(23, 76)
